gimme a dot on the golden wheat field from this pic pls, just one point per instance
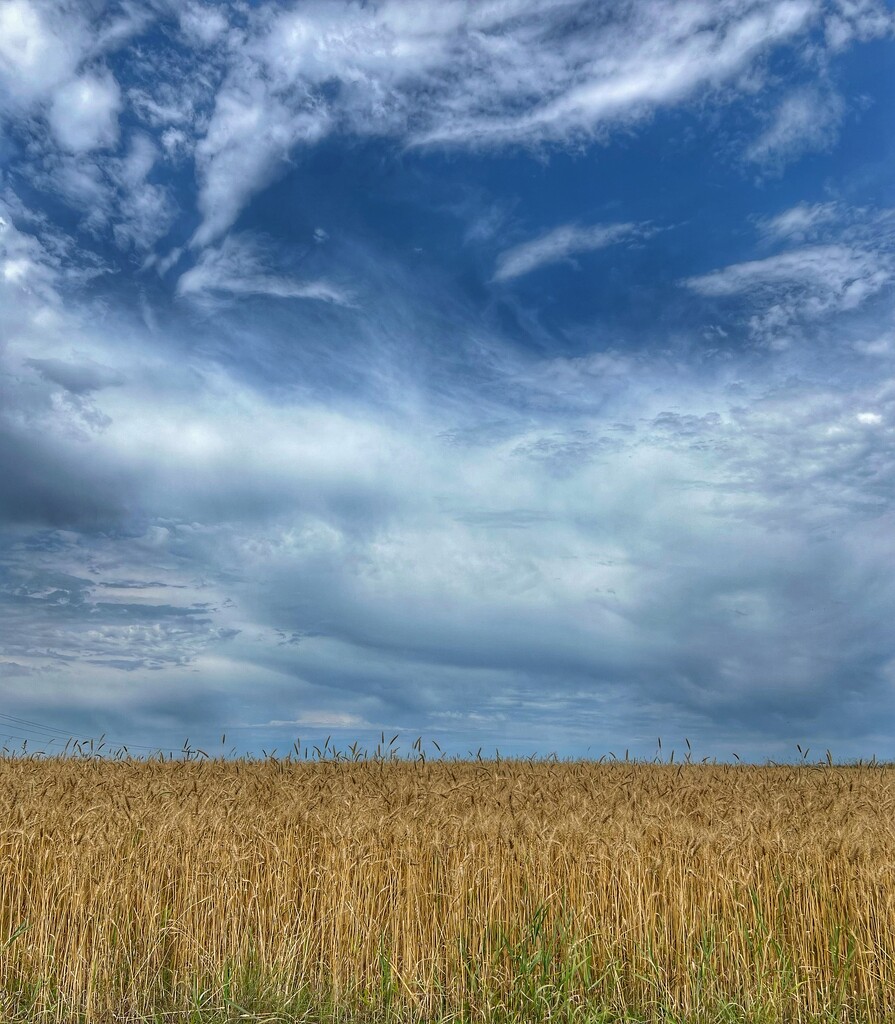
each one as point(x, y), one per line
point(393, 889)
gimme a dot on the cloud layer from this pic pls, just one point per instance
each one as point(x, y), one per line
point(299, 434)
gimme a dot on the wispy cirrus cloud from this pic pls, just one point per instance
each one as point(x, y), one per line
point(806, 120)
point(277, 81)
point(613, 70)
point(849, 260)
point(479, 76)
point(825, 276)
point(240, 265)
point(561, 244)
point(801, 222)
point(250, 136)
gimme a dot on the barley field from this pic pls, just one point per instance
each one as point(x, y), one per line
point(347, 888)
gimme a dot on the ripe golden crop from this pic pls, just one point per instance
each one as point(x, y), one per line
point(536, 890)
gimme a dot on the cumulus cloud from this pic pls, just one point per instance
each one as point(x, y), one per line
point(880, 347)
point(558, 245)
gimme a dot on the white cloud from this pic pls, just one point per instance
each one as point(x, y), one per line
point(560, 244)
point(474, 75)
point(203, 23)
point(23, 227)
point(81, 181)
point(674, 552)
point(28, 272)
point(239, 266)
point(84, 113)
point(120, 28)
point(114, 193)
point(473, 546)
point(677, 570)
point(38, 267)
point(146, 213)
point(653, 55)
point(802, 221)
point(167, 105)
point(806, 120)
point(145, 210)
point(449, 72)
point(847, 274)
point(801, 285)
point(134, 167)
point(323, 720)
point(37, 52)
point(79, 378)
point(44, 47)
point(783, 296)
point(175, 142)
point(250, 136)
point(849, 20)
point(879, 347)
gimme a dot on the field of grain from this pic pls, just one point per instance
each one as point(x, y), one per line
point(392, 889)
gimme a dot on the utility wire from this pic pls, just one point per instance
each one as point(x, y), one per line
point(46, 734)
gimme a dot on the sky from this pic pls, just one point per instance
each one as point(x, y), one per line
point(516, 374)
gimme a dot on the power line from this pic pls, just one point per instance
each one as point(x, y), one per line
point(30, 725)
point(48, 735)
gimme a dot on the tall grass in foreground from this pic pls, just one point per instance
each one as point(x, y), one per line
point(387, 889)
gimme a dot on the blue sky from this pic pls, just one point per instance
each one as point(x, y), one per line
point(516, 374)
